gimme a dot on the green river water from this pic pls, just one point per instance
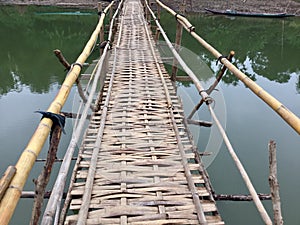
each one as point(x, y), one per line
point(268, 50)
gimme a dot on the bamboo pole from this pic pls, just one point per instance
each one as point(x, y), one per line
point(6, 179)
point(67, 65)
point(242, 170)
point(43, 179)
point(101, 34)
point(157, 34)
point(83, 212)
point(35, 145)
point(58, 188)
point(274, 186)
point(277, 106)
point(224, 197)
point(178, 38)
point(206, 98)
point(199, 209)
point(213, 86)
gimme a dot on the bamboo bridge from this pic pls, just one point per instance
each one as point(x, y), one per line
point(137, 163)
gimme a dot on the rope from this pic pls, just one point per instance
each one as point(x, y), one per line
point(77, 64)
point(220, 59)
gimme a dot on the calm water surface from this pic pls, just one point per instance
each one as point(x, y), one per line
point(267, 50)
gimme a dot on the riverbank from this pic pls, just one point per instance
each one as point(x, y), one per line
point(255, 6)
point(192, 6)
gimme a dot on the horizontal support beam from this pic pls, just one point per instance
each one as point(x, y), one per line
point(199, 123)
point(224, 197)
point(31, 194)
point(183, 78)
point(56, 160)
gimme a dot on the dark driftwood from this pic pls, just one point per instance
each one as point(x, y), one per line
point(43, 179)
point(224, 197)
point(274, 186)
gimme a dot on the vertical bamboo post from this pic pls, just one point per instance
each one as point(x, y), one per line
point(179, 29)
point(274, 186)
point(147, 12)
point(111, 12)
point(43, 179)
point(158, 11)
point(157, 34)
point(101, 34)
point(157, 31)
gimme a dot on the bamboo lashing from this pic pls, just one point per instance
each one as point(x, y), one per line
point(199, 87)
point(29, 155)
point(277, 106)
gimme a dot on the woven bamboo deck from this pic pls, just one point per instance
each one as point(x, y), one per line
point(146, 170)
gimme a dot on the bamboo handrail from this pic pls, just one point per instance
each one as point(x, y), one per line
point(83, 212)
point(206, 98)
point(277, 106)
point(36, 143)
point(58, 188)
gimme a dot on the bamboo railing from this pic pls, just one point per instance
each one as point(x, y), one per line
point(207, 99)
point(53, 206)
point(277, 106)
point(37, 141)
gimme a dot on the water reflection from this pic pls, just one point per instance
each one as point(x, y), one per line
point(27, 41)
point(264, 47)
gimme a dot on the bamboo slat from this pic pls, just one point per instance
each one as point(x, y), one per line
point(205, 98)
point(138, 177)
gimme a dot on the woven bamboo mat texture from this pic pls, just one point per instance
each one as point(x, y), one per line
point(139, 175)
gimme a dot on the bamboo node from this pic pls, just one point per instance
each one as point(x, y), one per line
point(17, 188)
point(32, 152)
